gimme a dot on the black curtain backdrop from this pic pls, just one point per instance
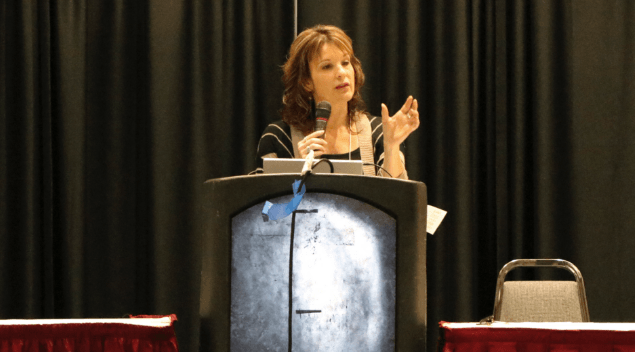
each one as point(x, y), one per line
point(113, 113)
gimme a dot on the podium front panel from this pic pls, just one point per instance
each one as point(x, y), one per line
point(343, 283)
point(401, 286)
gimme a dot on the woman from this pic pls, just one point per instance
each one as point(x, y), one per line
point(322, 67)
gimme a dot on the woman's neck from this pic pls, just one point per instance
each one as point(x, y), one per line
point(338, 133)
point(339, 116)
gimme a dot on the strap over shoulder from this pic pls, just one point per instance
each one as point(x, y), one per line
point(296, 136)
point(365, 140)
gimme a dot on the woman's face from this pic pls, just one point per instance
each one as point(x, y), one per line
point(332, 75)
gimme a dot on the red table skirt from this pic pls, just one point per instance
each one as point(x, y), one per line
point(134, 335)
point(537, 337)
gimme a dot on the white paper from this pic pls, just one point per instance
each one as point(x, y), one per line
point(435, 216)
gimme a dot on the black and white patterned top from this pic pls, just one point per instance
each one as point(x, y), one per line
point(276, 142)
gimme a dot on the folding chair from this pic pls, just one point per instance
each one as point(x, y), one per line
point(540, 301)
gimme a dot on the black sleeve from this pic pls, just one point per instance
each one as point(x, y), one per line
point(378, 144)
point(378, 139)
point(275, 139)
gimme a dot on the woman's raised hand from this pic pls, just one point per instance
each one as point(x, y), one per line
point(399, 126)
point(313, 142)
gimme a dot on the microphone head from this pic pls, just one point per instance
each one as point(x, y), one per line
point(322, 114)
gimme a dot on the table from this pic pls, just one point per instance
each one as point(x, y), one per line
point(537, 336)
point(139, 333)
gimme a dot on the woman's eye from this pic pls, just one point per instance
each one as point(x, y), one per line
point(346, 63)
point(326, 67)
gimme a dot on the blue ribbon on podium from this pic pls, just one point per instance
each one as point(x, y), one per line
point(277, 211)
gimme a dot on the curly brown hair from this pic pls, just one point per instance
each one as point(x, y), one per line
point(296, 76)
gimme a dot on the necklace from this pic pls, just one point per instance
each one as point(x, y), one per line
point(349, 138)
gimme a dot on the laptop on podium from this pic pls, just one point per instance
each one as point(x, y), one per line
point(294, 166)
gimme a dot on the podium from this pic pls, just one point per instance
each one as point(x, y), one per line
point(345, 272)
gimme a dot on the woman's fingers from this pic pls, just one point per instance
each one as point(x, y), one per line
point(317, 147)
point(414, 113)
point(317, 143)
point(315, 134)
point(399, 126)
point(384, 113)
point(415, 122)
point(407, 106)
point(310, 142)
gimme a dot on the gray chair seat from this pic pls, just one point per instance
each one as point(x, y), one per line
point(540, 301)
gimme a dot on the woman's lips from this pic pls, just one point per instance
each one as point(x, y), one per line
point(342, 86)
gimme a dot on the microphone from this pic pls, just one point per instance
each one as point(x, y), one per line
point(322, 114)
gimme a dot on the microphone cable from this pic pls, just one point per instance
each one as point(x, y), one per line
point(377, 167)
point(306, 175)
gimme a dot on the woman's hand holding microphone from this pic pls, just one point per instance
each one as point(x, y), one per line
point(312, 141)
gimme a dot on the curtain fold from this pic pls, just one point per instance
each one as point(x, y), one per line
point(27, 189)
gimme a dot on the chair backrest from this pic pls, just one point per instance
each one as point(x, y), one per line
point(540, 301)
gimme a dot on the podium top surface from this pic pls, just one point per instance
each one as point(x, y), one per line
point(311, 177)
point(395, 196)
point(318, 182)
